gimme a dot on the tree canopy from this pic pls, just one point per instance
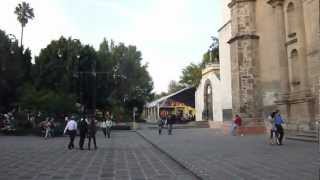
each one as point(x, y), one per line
point(111, 78)
point(24, 12)
point(15, 67)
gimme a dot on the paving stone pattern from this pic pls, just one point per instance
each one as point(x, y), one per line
point(125, 156)
point(214, 156)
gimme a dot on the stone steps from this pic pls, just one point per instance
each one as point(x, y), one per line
point(311, 135)
point(300, 138)
point(193, 124)
point(307, 136)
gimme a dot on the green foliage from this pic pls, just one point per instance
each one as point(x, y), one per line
point(212, 55)
point(15, 65)
point(175, 86)
point(160, 95)
point(191, 75)
point(47, 100)
point(66, 67)
point(125, 82)
point(24, 12)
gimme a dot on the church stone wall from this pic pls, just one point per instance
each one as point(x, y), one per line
point(275, 59)
point(267, 52)
point(311, 16)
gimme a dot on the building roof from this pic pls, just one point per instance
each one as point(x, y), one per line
point(185, 96)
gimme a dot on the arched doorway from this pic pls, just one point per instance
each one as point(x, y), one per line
point(207, 110)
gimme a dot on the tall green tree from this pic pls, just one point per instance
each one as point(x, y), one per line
point(24, 12)
point(112, 78)
point(14, 68)
point(132, 84)
point(67, 67)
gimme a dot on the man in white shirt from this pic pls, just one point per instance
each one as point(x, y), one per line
point(71, 130)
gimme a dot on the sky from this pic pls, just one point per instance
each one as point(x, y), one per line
point(171, 34)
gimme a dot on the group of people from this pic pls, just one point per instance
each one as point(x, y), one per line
point(275, 122)
point(87, 128)
point(167, 120)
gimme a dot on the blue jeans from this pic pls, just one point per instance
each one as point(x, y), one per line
point(234, 129)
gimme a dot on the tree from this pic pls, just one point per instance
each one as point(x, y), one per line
point(120, 83)
point(131, 83)
point(160, 95)
point(66, 67)
point(24, 13)
point(175, 86)
point(212, 55)
point(14, 67)
point(191, 75)
point(57, 65)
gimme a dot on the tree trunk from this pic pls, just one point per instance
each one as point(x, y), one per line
point(21, 36)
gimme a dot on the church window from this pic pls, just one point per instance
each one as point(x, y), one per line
point(291, 19)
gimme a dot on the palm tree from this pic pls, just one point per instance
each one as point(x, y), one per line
point(24, 13)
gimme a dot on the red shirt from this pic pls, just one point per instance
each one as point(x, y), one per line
point(237, 121)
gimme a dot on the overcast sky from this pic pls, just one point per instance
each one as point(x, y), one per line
point(170, 33)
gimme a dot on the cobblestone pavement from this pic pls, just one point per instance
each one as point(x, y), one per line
point(125, 156)
point(211, 155)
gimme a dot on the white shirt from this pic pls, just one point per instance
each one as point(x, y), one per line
point(103, 124)
point(108, 123)
point(71, 125)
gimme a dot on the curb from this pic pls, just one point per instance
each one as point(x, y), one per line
point(170, 156)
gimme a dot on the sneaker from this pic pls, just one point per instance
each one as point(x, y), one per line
point(271, 142)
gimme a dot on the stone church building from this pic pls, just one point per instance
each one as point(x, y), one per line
point(271, 50)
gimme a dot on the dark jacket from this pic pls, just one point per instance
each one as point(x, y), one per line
point(92, 128)
point(83, 127)
point(171, 119)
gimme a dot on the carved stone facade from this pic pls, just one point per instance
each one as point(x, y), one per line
point(244, 60)
point(275, 59)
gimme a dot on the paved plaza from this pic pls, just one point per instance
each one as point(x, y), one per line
point(212, 155)
point(125, 156)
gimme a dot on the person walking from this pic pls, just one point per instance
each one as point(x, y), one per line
point(83, 128)
point(272, 127)
point(170, 122)
point(47, 126)
point(236, 125)
point(104, 127)
point(278, 123)
point(71, 130)
point(92, 129)
point(108, 126)
point(161, 122)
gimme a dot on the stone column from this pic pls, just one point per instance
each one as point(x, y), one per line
point(246, 99)
point(281, 47)
point(282, 56)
